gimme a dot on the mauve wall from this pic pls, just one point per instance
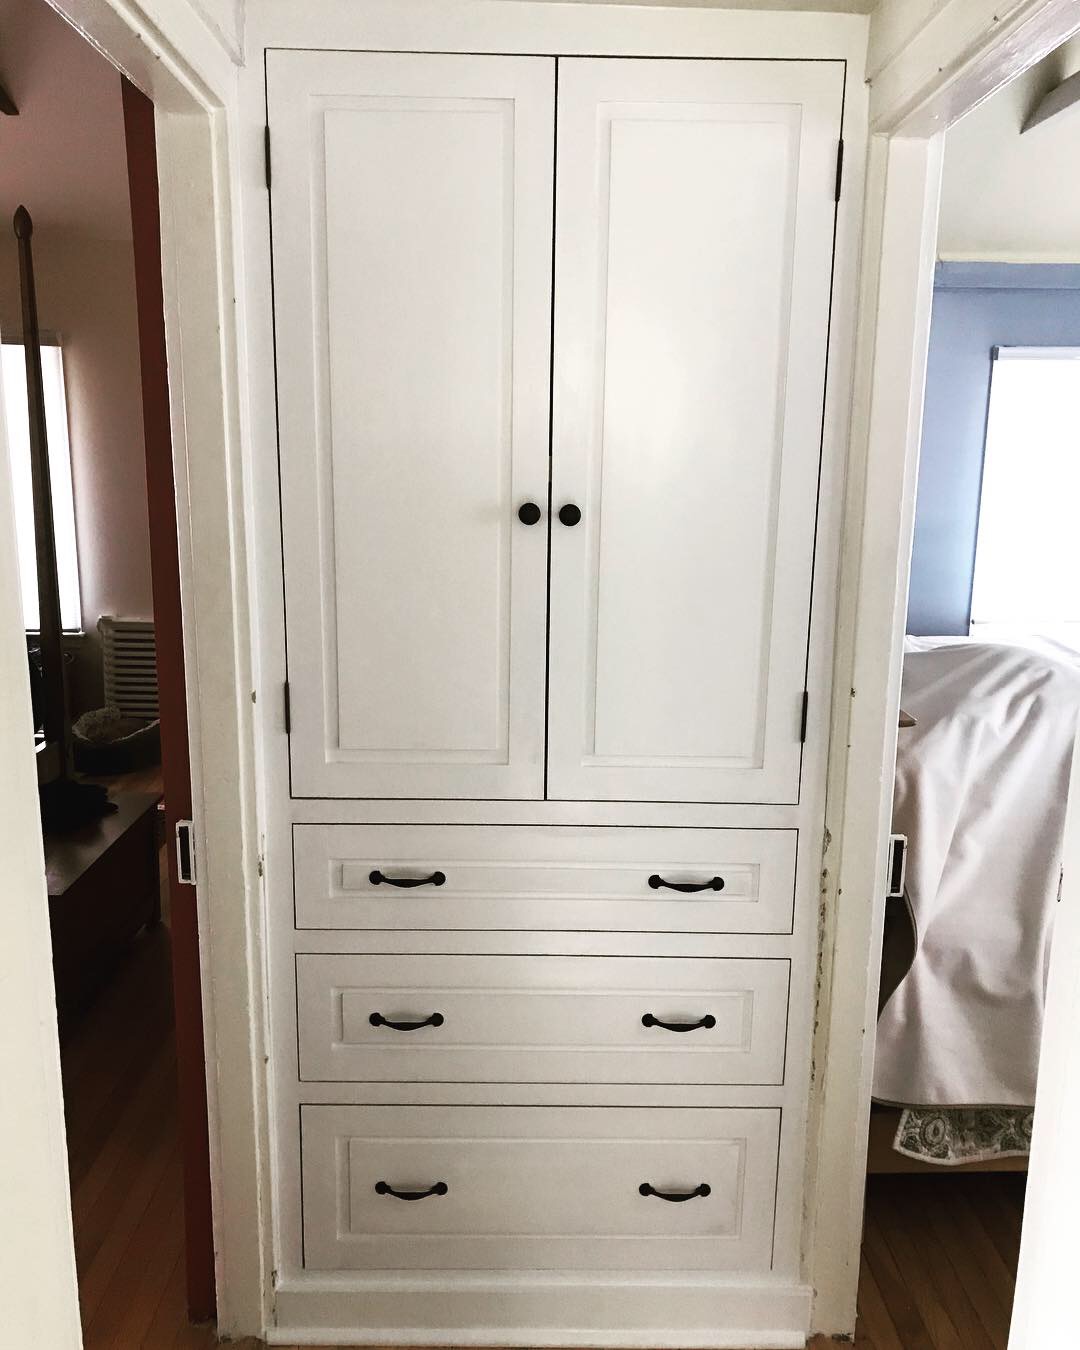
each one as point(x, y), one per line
point(64, 156)
point(977, 306)
point(86, 296)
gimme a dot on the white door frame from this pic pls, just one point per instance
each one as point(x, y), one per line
point(187, 63)
point(924, 75)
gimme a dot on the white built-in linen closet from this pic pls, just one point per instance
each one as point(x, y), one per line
point(550, 340)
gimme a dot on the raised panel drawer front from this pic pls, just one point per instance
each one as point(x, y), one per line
point(694, 236)
point(543, 1019)
point(538, 1188)
point(556, 878)
point(411, 207)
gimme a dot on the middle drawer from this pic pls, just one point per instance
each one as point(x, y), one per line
point(542, 1019)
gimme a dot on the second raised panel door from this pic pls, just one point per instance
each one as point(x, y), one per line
point(694, 236)
point(411, 229)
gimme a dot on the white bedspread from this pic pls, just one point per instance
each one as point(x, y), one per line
point(981, 783)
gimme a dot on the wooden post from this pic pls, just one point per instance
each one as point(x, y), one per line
point(57, 726)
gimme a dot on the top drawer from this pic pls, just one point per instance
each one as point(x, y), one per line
point(543, 878)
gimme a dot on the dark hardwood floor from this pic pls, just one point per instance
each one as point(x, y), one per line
point(939, 1261)
point(939, 1255)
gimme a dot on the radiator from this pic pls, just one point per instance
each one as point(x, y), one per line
point(130, 661)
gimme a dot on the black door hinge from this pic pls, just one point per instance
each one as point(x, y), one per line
point(839, 167)
point(804, 715)
point(288, 709)
point(266, 154)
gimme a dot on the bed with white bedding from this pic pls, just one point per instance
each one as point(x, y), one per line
point(981, 783)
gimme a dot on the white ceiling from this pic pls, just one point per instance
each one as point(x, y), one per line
point(63, 157)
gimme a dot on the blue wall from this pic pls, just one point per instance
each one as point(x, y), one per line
point(977, 306)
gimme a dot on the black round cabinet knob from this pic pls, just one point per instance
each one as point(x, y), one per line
point(528, 513)
point(569, 514)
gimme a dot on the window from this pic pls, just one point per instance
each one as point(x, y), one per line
point(1027, 558)
point(13, 355)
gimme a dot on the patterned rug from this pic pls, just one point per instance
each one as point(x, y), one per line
point(961, 1134)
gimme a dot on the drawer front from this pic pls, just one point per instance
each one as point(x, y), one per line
point(543, 878)
point(544, 1019)
point(538, 1188)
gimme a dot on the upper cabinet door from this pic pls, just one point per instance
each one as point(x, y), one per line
point(694, 235)
point(411, 234)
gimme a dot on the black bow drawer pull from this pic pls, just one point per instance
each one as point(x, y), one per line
point(687, 887)
point(378, 1020)
point(383, 1188)
point(707, 1022)
point(676, 1197)
point(436, 879)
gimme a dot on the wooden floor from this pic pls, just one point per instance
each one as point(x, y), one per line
point(939, 1255)
point(939, 1261)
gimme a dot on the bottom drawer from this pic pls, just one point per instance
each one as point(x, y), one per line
point(538, 1188)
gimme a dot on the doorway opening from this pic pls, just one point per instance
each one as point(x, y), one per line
point(989, 707)
point(88, 426)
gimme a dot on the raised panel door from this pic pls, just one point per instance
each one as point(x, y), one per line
point(694, 236)
point(411, 234)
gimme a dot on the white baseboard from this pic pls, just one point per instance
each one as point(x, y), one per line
point(657, 1314)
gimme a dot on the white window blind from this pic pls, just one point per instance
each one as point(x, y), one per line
point(13, 356)
point(1027, 556)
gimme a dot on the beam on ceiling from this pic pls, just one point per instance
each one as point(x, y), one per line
point(1065, 95)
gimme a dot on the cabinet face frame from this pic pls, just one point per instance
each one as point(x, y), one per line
point(566, 30)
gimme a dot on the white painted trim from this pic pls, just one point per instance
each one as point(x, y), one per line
point(38, 1291)
point(886, 421)
point(401, 1334)
point(192, 153)
point(541, 27)
point(163, 46)
point(548, 1309)
point(904, 26)
point(932, 63)
point(1019, 259)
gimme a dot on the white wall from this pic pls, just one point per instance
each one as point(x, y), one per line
point(225, 19)
point(65, 150)
point(1010, 197)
